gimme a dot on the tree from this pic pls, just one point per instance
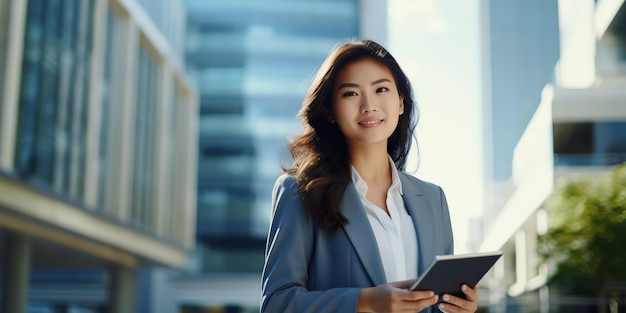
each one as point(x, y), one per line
point(587, 238)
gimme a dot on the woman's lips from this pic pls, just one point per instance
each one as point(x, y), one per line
point(370, 123)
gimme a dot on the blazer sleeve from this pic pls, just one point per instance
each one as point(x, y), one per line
point(290, 244)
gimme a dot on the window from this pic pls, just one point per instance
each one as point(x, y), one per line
point(142, 199)
point(106, 110)
point(587, 143)
point(53, 94)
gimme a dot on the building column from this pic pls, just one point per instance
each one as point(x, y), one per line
point(12, 73)
point(17, 254)
point(94, 113)
point(122, 289)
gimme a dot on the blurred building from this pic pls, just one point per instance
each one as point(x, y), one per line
point(252, 62)
point(577, 125)
point(98, 141)
point(520, 48)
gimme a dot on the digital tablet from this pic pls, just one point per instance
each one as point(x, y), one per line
point(447, 273)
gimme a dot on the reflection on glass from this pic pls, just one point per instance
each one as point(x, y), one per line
point(53, 94)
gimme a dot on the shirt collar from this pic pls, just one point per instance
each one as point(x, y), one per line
point(361, 186)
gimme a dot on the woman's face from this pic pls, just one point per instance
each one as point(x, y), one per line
point(366, 103)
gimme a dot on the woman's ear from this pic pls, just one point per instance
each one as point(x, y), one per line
point(401, 105)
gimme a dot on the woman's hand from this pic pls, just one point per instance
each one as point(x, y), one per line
point(459, 305)
point(394, 298)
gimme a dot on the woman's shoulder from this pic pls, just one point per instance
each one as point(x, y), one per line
point(286, 181)
point(286, 185)
point(286, 201)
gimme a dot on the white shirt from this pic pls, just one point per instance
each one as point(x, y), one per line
point(395, 233)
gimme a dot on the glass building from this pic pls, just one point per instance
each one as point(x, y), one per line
point(520, 49)
point(520, 41)
point(252, 72)
point(577, 126)
point(98, 149)
point(252, 62)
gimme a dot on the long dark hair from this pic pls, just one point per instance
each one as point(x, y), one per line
point(321, 164)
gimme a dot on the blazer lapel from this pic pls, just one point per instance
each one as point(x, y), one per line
point(361, 235)
point(422, 220)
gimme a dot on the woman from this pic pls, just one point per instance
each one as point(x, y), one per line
point(350, 231)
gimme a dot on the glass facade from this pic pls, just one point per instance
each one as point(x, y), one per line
point(53, 106)
point(172, 158)
point(581, 121)
point(168, 17)
point(522, 42)
point(103, 161)
point(524, 49)
point(143, 163)
point(106, 111)
point(252, 62)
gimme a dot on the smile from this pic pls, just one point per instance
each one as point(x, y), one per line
point(370, 123)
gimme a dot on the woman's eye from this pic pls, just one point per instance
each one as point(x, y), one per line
point(382, 89)
point(349, 94)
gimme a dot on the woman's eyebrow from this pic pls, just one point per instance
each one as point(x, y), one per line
point(348, 85)
point(382, 80)
point(378, 81)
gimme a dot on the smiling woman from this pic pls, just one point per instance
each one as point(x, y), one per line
point(350, 229)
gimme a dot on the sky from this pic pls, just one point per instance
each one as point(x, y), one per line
point(437, 44)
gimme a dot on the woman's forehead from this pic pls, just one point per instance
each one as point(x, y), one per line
point(363, 71)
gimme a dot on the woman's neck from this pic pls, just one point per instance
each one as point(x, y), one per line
point(372, 165)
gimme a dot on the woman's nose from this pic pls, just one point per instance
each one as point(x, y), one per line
point(367, 104)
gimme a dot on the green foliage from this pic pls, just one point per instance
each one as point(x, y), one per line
point(587, 236)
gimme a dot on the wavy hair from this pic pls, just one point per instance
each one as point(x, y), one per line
point(321, 161)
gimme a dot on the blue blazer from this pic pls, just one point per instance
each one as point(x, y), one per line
point(308, 270)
